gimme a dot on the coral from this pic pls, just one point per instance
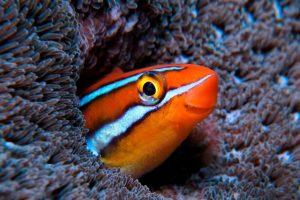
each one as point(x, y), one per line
point(249, 148)
point(43, 152)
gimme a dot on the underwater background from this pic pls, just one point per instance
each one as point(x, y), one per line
point(249, 148)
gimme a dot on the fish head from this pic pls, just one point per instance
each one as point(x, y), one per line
point(188, 94)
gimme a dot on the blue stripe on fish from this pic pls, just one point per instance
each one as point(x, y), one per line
point(110, 87)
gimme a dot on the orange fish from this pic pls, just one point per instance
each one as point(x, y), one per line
point(137, 119)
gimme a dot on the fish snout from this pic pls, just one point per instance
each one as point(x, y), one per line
point(204, 95)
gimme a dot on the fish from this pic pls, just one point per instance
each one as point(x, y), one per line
point(137, 119)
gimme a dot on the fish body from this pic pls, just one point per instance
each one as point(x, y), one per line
point(137, 119)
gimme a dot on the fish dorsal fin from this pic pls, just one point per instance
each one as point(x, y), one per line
point(115, 72)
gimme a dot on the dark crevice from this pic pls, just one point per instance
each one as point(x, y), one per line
point(183, 163)
point(92, 183)
point(56, 194)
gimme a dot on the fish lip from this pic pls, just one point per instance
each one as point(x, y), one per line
point(199, 110)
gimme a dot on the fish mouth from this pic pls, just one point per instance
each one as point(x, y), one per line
point(198, 110)
point(203, 97)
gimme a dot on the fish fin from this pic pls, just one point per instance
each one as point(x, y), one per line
point(116, 71)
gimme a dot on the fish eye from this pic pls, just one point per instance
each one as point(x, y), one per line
point(151, 88)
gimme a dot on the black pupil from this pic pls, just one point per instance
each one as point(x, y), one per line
point(149, 89)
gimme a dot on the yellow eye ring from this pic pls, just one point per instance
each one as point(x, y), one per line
point(151, 87)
